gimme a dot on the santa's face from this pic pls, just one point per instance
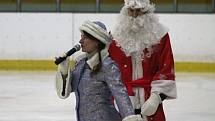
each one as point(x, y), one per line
point(134, 12)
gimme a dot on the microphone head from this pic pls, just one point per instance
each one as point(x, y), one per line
point(73, 50)
point(77, 47)
point(69, 53)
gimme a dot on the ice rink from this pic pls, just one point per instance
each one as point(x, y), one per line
point(30, 96)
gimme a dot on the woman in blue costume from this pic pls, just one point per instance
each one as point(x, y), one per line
point(95, 79)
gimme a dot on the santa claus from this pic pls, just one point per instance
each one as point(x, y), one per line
point(142, 50)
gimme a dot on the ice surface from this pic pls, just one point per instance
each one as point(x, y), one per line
point(30, 96)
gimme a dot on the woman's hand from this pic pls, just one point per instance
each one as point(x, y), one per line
point(64, 65)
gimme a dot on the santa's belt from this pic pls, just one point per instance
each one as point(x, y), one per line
point(137, 83)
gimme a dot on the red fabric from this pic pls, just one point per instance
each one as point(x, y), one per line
point(160, 66)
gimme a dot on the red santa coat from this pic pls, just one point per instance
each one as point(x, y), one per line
point(159, 67)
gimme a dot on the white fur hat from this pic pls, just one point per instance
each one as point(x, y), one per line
point(96, 29)
point(144, 5)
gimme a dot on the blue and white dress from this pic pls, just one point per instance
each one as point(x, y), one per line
point(94, 93)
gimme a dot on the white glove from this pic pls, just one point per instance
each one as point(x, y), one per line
point(133, 118)
point(64, 66)
point(150, 106)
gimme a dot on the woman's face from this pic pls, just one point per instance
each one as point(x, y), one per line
point(88, 45)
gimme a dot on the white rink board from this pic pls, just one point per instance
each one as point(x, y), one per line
point(45, 35)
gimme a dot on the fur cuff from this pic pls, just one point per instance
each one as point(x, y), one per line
point(167, 87)
point(132, 118)
point(59, 86)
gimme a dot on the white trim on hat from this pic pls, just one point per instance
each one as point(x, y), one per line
point(96, 31)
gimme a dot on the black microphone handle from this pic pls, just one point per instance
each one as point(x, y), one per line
point(69, 53)
point(59, 60)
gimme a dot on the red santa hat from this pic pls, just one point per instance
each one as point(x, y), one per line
point(144, 5)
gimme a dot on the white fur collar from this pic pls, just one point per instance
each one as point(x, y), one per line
point(93, 59)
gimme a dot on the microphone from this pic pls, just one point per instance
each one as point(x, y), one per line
point(69, 53)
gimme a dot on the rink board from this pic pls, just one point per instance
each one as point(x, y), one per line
point(48, 65)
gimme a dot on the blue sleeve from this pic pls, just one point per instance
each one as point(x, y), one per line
point(118, 90)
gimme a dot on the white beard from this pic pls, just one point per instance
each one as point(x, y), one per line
point(134, 35)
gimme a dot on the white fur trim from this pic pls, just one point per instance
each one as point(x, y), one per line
point(94, 60)
point(96, 31)
point(138, 99)
point(79, 56)
point(132, 118)
point(137, 66)
point(167, 87)
point(59, 85)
